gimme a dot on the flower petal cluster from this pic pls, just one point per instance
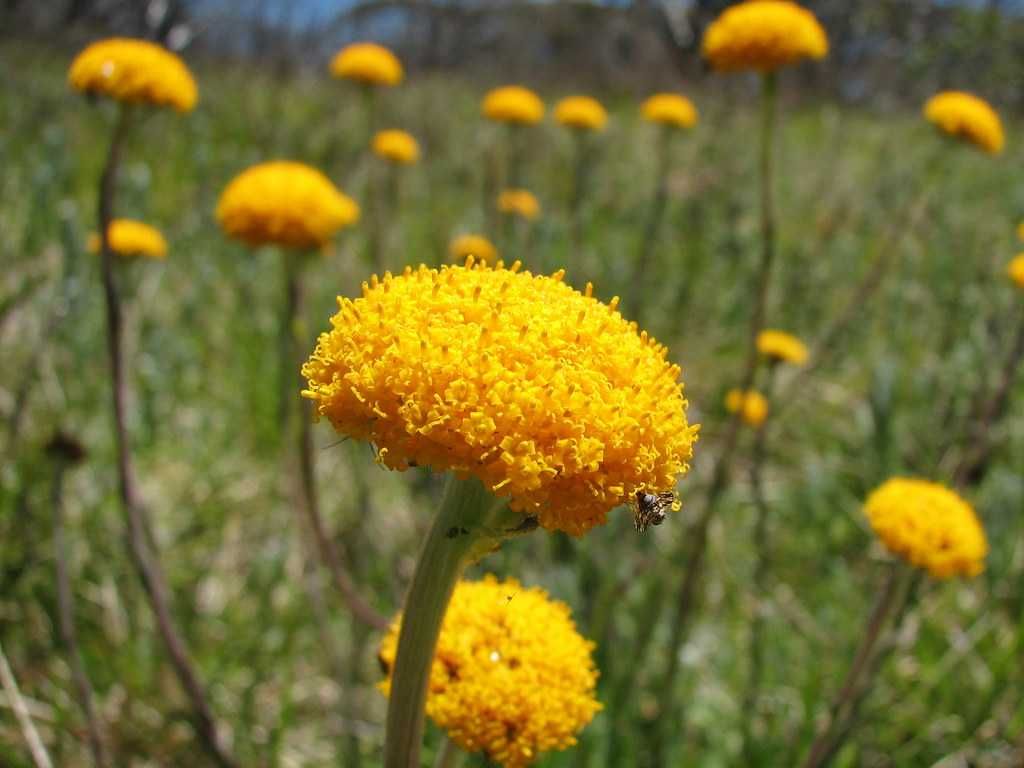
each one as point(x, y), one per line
point(284, 203)
point(752, 406)
point(367, 63)
point(511, 677)
point(134, 72)
point(548, 396)
point(965, 116)
point(781, 347)
point(476, 246)
point(763, 35)
point(396, 147)
point(581, 112)
point(519, 202)
point(669, 109)
point(929, 526)
point(130, 238)
point(513, 104)
point(1015, 270)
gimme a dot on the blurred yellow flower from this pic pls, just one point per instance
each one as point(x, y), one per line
point(753, 406)
point(929, 526)
point(965, 116)
point(284, 203)
point(519, 202)
point(782, 347)
point(513, 104)
point(135, 72)
point(763, 35)
point(396, 147)
point(477, 246)
point(549, 397)
point(582, 112)
point(367, 63)
point(131, 238)
point(511, 676)
point(1015, 270)
point(669, 109)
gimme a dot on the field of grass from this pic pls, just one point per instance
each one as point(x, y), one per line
point(291, 677)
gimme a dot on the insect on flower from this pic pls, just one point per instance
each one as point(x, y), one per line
point(650, 508)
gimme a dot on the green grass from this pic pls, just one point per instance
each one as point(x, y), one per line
point(212, 458)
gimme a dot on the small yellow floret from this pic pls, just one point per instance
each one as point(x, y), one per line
point(284, 203)
point(753, 406)
point(131, 238)
point(549, 397)
point(929, 526)
point(367, 63)
point(135, 72)
point(781, 346)
point(519, 202)
point(396, 147)
point(581, 112)
point(477, 246)
point(511, 677)
point(669, 109)
point(763, 35)
point(513, 104)
point(1015, 270)
point(965, 116)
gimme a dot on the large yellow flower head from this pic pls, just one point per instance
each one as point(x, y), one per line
point(763, 35)
point(477, 246)
point(367, 63)
point(780, 346)
point(284, 203)
point(131, 238)
point(581, 112)
point(965, 116)
point(548, 396)
point(513, 104)
point(1015, 270)
point(929, 526)
point(511, 676)
point(752, 406)
point(135, 72)
point(519, 202)
point(396, 146)
point(669, 109)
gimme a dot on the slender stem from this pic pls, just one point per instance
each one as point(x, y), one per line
point(145, 562)
point(28, 729)
point(514, 163)
point(655, 214)
point(579, 173)
point(469, 524)
point(449, 756)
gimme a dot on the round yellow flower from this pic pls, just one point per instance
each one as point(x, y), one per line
point(549, 397)
point(753, 406)
point(782, 347)
point(581, 112)
point(513, 104)
point(284, 203)
point(519, 202)
point(134, 71)
point(396, 147)
point(965, 116)
point(763, 35)
point(511, 677)
point(929, 526)
point(476, 246)
point(669, 109)
point(131, 238)
point(367, 63)
point(1015, 270)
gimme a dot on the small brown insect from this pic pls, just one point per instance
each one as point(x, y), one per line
point(650, 508)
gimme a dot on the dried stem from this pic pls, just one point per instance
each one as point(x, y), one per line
point(28, 729)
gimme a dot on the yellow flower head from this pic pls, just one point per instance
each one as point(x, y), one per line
point(477, 246)
point(519, 202)
point(581, 112)
point(1015, 270)
point(753, 406)
point(130, 238)
point(782, 347)
point(669, 109)
point(284, 203)
point(513, 104)
point(367, 63)
point(929, 526)
point(396, 147)
point(549, 397)
point(511, 677)
point(763, 35)
point(134, 71)
point(965, 116)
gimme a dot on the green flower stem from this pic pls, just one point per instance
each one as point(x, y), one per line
point(655, 214)
point(581, 159)
point(470, 523)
